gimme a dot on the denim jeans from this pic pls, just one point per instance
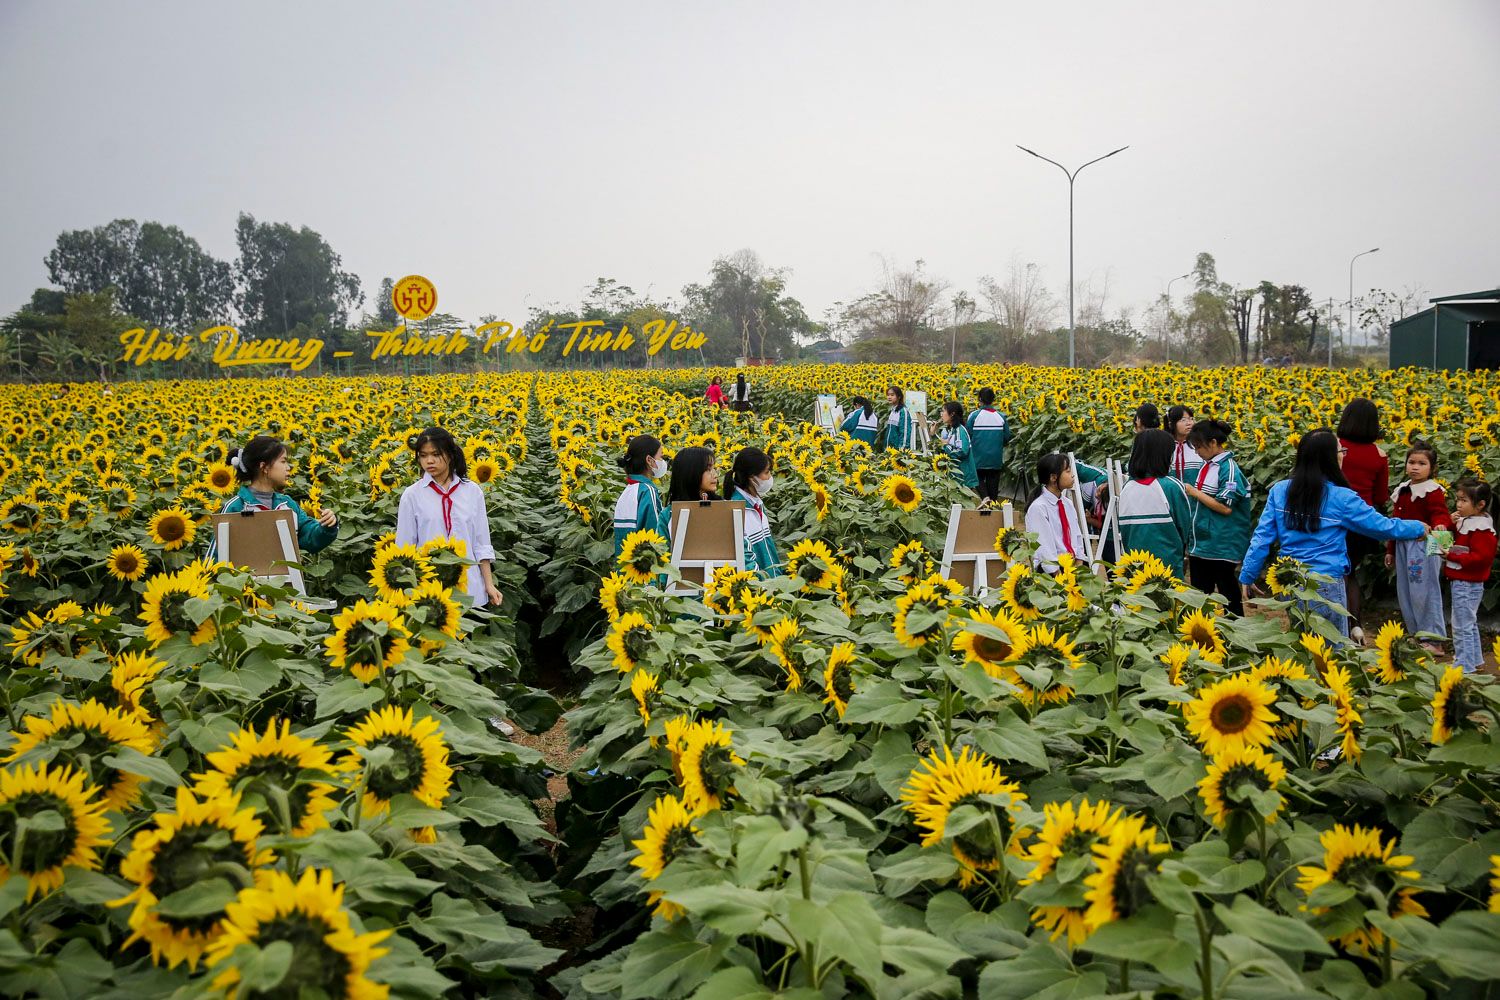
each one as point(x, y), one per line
point(1419, 586)
point(1467, 650)
point(1333, 592)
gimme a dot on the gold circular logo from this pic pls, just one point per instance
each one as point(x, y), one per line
point(414, 297)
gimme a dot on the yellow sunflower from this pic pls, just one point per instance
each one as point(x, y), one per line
point(1223, 789)
point(1348, 719)
point(1126, 859)
point(813, 564)
point(838, 677)
point(782, 641)
point(368, 638)
point(328, 958)
point(669, 833)
point(752, 602)
point(922, 613)
point(1318, 651)
point(271, 772)
point(1016, 590)
point(725, 591)
point(1067, 578)
point(1396, 653)
point(484, 470)
point(433, 603)
point(629, 640)
point(1198, 629)
point(912, 560)
point(901, 493)
point(820, 499)
point(171, 528)
point(1176, 660)
point(1356, 856)
point(221, 479)
point(613, 589)
point(1068, 833)
point(941, 784)
point(644, 687)
point(176, 853)
point(990, 651)
point(1232, 714)
point(1286, 577)
point(1495, 883)
point(708, 763)
point(448, 558)
point(1452, 705)
point(164, 607)
point(81, 736)
point(418, 765)
point(29, 791)
point(398, 570)
point(127, 563)
point(131, 677)
point(643, 555)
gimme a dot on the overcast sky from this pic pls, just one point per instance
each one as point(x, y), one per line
point(515, 152)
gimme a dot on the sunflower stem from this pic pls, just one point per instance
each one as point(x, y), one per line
point(1385, 959)
point(1265, 862)
point(1124, 975)
point(1206, 959)
point(804, 872)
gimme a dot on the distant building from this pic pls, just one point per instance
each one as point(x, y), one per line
point(1459, 333)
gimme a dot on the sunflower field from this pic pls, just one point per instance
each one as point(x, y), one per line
point(854, 779)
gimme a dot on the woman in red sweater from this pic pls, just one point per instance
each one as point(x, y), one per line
point(715, 393)
point(1368, 471)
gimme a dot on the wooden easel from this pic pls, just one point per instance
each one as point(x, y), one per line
point(706, 534)
point(828, 414)
point(916, 410)
point(264, 542)
point(969, 555)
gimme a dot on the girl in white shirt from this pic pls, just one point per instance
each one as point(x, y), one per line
point(445, 503)
point(1053, 519)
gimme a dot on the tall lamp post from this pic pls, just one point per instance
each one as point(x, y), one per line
point(1071, 175)
point(1166, 351)
point(1351, 303)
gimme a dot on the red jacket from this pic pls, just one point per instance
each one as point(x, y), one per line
point(715, 394)
point(1477, 534)
point(1425, 502)
point(1368, 471)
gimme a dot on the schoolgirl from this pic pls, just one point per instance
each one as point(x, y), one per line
point(1220, 498)
point(862, 424)
point(990, 431)
point(445, 503)
point(263, 468)
point(1153, 513)
point(750, 479)
point(1052, 518)
point(639, 506)
point(956, 443)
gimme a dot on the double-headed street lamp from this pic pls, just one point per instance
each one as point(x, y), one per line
point(1071, 175)
point(1166, 353)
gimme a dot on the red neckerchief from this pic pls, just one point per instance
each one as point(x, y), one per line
point(1181, 462)
point(1062, 515)
point(447, 502)
point(1203, 472)
point(1146, 482)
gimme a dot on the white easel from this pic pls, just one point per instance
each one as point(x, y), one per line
point(1115, 477)
point(970, 545)
point(1091, 542)
point(916, 412)
point(828, 414)
point(701, 556)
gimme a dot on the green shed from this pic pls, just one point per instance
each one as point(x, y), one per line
point(1459, 332)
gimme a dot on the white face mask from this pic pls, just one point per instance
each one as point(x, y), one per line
point(763, 486)
point(658, 468)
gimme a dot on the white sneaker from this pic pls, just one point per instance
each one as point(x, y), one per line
point(506, 729)
point(1357, 634)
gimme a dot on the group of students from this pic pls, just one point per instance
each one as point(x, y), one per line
point(1187, 502)
point(695, 477)
point(443, 503)
point(975, 444)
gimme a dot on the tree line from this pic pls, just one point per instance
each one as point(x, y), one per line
point(288, 281)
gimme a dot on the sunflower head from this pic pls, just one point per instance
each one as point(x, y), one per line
point(220, 478)
point(1126, 859)
point(1198, 629)
point(1452, 705)
point(368, 638)
point(1069, 835)
point(82, 736)
point(643, 556)
point(1358, 858)
point(942, 783)
point(900, 492)
point(1242, 781)
point(417, 764)
point(838, 677)
point(66, 825)
point(813, 564)
point(202, 840)
point(1232, 714)
point(171, 528)
point(644, 687)
point(165, 606)
point(911, 561)
point(1348, 719)
point(1396, 653)
point(1286, 577)
point(923, 612)
point(990, 639)
point(1018, 592)
point(724, 594)
point(434, 614)
point(397, 571)
point(328, 957)
point(669, 834)
point(630, 639)
point(1013, 545)
point(277, 775)
point(708, 764)
point(126, 563)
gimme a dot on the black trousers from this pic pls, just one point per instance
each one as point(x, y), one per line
point(989, 484)
point(1217, 576)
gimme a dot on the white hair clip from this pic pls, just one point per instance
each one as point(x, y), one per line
point(238, 461)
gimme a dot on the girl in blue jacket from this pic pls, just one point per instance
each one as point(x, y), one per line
point(1308, 517)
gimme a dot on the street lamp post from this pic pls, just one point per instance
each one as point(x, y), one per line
point(1071, 175)
point(1166, 351)
point(1351, 303)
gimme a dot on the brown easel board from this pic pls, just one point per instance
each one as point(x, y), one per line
point(969, 556)
point(706, 534)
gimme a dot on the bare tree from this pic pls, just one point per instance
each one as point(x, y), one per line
point(894, 320)
point(1020, 305)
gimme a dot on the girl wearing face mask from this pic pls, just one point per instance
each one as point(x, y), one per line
point(750, 480)
point(639, 507)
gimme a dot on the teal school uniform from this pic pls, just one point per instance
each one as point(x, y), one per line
point(311, 536)
point(899, 431)
point(1155, 517)
point(861, 427)
point(990, 431)
point(761, 555)
point(960, 449)
point(1215, 535)
point(638, 509)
